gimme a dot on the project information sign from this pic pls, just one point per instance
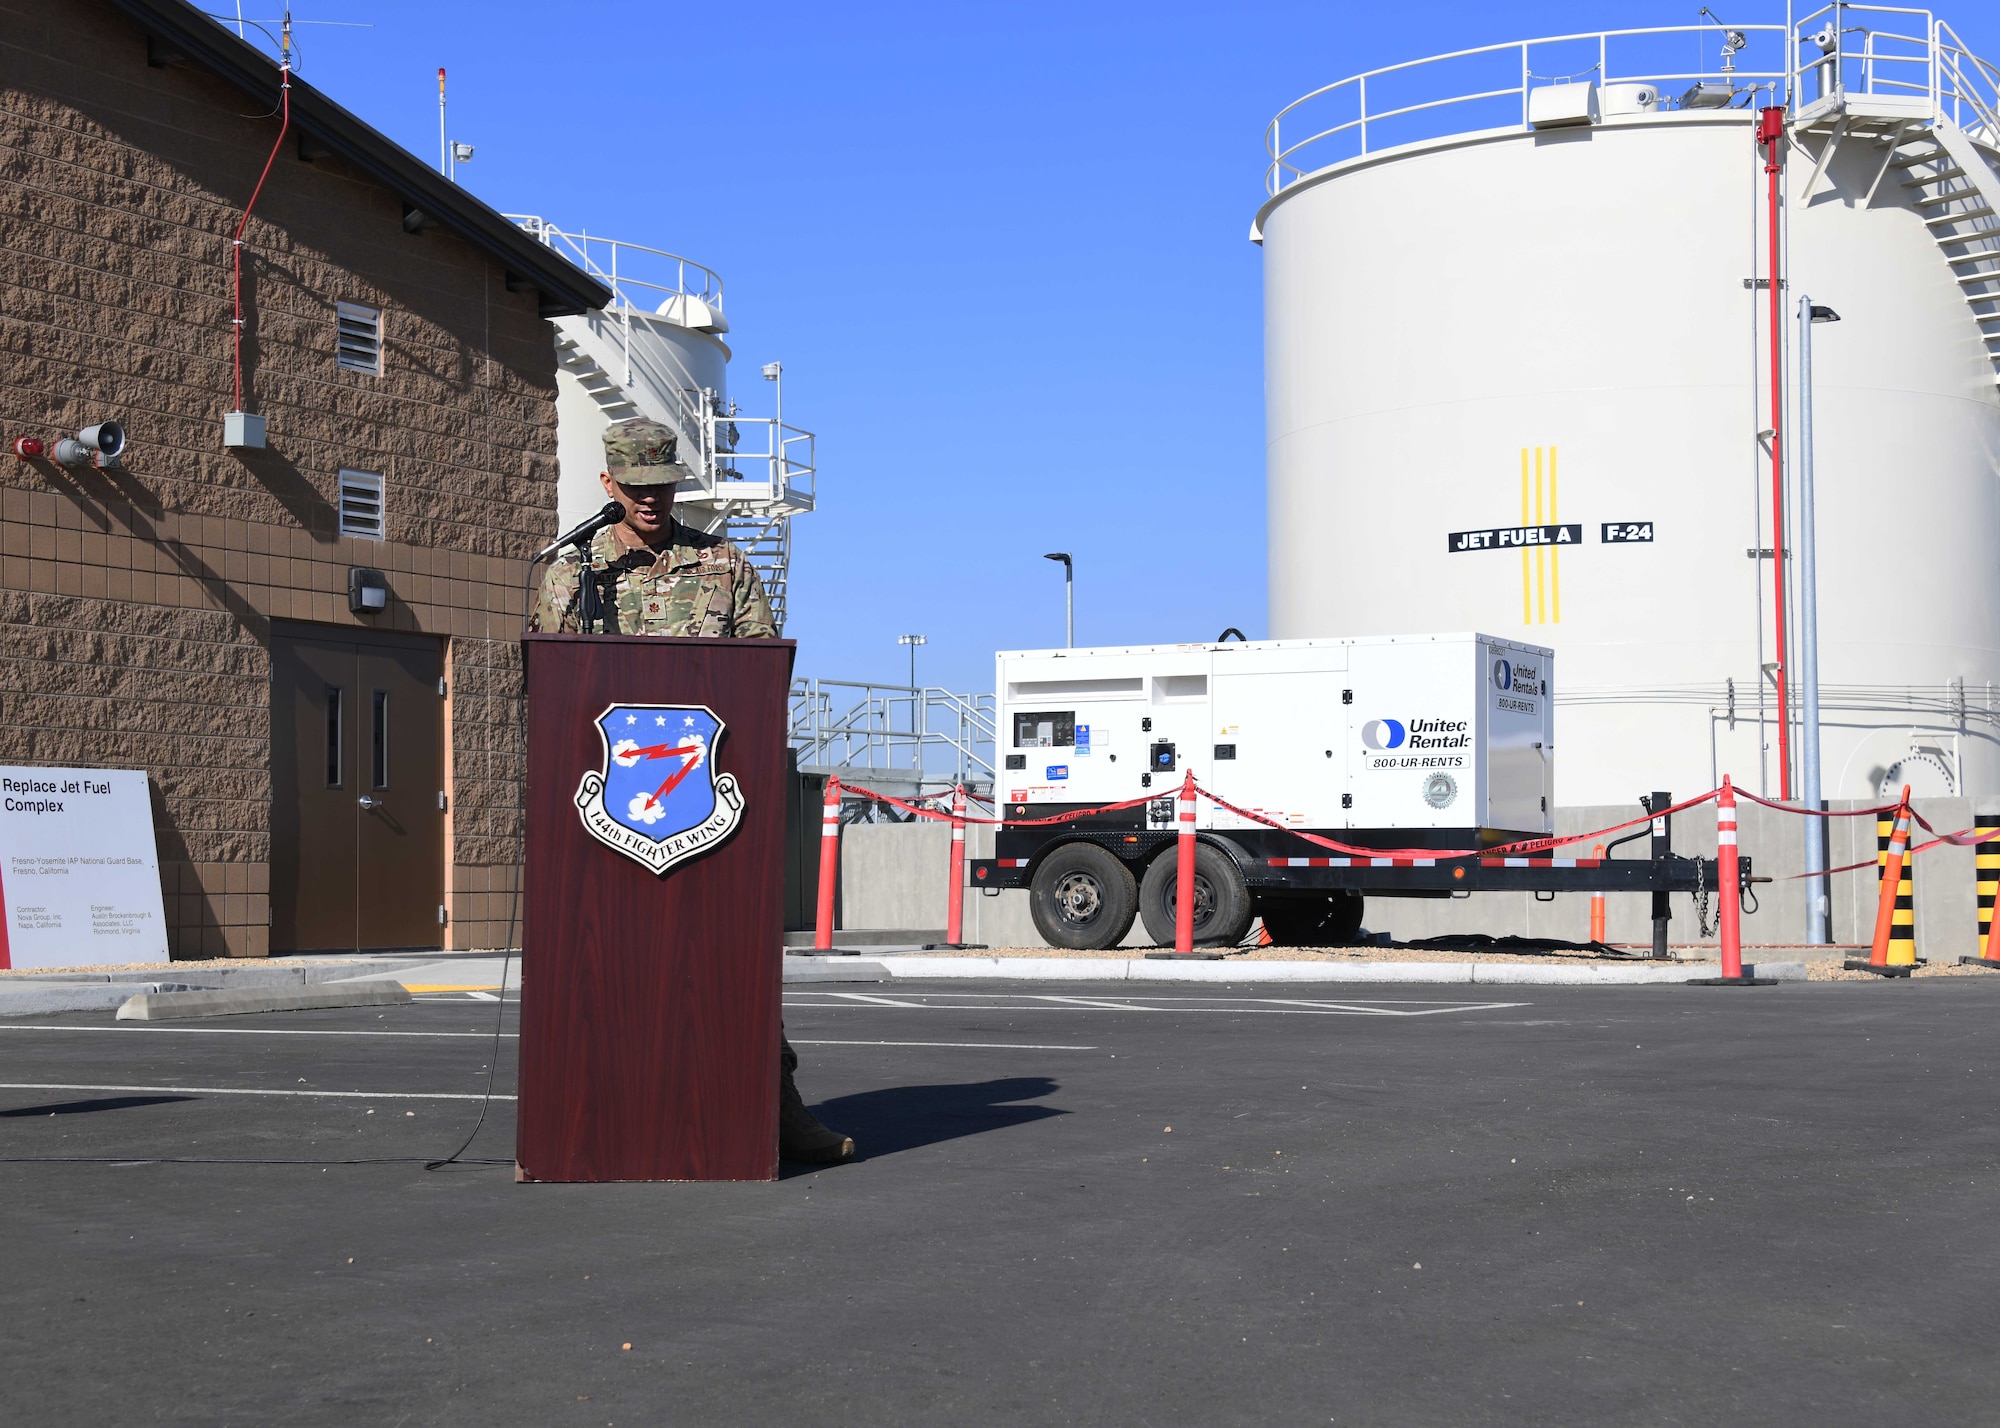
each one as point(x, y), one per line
point(79, 875)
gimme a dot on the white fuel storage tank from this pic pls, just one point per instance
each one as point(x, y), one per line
point(1517, 379)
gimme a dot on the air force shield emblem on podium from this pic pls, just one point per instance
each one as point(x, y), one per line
point(658, 799)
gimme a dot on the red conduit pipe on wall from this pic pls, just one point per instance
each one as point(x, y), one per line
point(1771, 134)
point(236, 239)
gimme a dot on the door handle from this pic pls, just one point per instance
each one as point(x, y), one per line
point(370, 802)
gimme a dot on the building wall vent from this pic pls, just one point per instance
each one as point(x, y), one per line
point(361, 504)
point(360, 338)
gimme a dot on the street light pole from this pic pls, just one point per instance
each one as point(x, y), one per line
point(1069, 596)
point(916, 699)
point(1817, 901)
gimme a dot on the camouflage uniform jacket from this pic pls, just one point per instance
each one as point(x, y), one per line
point(696, 585)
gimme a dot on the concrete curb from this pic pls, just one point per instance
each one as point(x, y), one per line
point(1118, 969)
point(171, 1006)
point(304, 975)
point(833, 969)
point(42, 999)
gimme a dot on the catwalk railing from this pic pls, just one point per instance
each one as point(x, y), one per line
point(930, 734)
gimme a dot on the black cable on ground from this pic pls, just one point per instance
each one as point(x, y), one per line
point(513, 902)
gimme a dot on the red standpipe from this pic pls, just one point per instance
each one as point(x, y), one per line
point(954, 917)
point(829, 865)
point(1771, 134)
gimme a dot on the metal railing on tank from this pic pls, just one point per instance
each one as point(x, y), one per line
point(1844, 50)
point(1423, 99)
point(646, 278)
point(1966, 83)
point(1881, 50)
point(894, 731)
point(785, 454)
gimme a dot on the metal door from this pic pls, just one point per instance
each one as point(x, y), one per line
point(357, 791)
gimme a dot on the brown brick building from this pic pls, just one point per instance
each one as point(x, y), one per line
point(187, 611)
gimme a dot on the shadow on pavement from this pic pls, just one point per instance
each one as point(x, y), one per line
point(103, 1103)
point(899, 1118)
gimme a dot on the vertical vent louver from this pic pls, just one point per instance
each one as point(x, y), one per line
point(361, 504)
point(360, 338)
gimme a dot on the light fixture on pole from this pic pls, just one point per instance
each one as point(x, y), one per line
point(916, 696)
point(1069, 596)
point(1817, 893)
point(912, 641)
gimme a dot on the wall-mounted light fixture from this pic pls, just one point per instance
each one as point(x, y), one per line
point(367, 591)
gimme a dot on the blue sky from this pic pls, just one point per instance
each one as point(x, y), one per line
point(1001, 252)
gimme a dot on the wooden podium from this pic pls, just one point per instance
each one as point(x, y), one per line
point(650, 1000)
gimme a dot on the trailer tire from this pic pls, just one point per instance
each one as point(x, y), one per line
point(1330, 921)
point(1082, 898)
point(1221, 903)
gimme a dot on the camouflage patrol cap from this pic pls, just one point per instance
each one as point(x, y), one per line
point(643, 453)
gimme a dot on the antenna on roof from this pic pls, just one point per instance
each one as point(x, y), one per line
point(450, 152)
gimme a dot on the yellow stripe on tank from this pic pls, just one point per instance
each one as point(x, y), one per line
point(1527, 605)
point(1555, 553)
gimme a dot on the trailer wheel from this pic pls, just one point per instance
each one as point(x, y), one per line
point(1221, 898)
point(1330, 921)
point(1082, 898)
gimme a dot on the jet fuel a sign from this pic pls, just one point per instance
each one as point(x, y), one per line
point(1515, 538)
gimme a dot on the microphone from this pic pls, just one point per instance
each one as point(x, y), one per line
point(611, 515)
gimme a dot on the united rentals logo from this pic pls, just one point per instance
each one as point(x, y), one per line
point(657, 798)
point(1382, 734)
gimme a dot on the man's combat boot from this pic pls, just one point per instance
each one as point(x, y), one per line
point(800, 1136)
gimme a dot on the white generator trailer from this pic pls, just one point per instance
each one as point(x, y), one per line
point(1396, 742)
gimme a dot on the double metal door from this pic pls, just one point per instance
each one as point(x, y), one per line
point(357, 791)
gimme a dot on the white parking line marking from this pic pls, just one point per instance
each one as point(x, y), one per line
point(867, 998)
point(1271, 1006)
point(1094, 1002)
point(1385, 1011)
point(957, 1045)
point(246, 1091)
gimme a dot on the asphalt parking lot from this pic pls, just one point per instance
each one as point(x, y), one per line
point(1568, 1205)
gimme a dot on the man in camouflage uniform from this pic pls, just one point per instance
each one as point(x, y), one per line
point(658, 577)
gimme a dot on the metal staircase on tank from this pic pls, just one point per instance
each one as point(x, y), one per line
point(611, 398)
point(1951, 179)
point(1931, 109)
point(624, 359)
